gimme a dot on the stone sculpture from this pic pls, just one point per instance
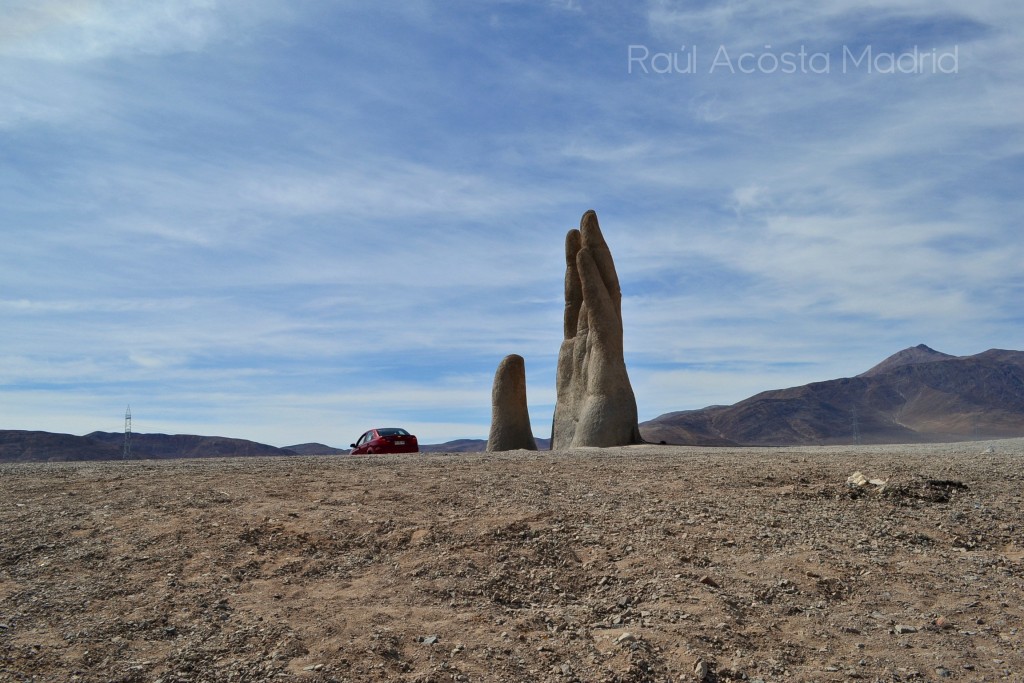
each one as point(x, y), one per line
point(595, 405)
point(510, 418)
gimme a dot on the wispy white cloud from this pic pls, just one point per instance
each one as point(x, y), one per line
point(87, 306)
point(75, 30)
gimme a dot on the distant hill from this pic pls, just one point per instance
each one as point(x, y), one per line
point(29, 446)
point(470, 446)
point(456, 446)
point(26, 446)
point(315, 449)
point(915, 395)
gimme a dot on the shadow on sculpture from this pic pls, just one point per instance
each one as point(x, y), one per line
point(594, 405)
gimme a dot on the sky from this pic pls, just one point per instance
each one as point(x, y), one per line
point(293, 221)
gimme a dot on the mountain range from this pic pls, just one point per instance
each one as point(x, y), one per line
point(916, 395)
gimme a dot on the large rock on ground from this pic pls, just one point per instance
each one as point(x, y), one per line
point(510, 417)
point(595, 405)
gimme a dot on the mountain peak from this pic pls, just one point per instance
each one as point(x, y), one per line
point(922, 353)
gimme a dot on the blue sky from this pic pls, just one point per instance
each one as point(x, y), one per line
point(290, 222)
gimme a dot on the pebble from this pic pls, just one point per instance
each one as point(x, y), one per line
point(708, 581)
point(904, 628)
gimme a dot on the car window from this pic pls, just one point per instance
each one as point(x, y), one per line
point(393, 431)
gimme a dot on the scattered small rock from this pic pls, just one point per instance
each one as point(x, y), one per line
point(701, 670)
point(904, 628)
point(708, 581)
point(859, 481)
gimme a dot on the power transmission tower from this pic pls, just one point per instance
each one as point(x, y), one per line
point(127, 453)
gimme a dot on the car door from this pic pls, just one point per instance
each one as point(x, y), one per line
point(361, 443)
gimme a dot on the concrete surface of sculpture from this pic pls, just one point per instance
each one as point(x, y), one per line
point(510, 418)
point(595, 405)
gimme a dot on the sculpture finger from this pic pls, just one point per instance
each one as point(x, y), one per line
point(604, 321)
point(573, 287)
point(593, 239)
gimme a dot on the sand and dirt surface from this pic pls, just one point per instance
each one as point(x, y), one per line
point(625, 564)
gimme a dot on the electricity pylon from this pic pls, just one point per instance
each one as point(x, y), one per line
point(127, 453)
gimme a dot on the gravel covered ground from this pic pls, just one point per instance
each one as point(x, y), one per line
point(647, 563)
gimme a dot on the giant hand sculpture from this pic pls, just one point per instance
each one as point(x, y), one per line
point(595, 405)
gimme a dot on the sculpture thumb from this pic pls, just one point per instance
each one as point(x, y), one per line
point(510, 416)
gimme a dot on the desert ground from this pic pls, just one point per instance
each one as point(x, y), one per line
point(646, 563)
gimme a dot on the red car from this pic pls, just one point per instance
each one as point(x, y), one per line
point(385, 440)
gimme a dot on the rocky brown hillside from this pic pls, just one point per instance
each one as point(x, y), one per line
point(17, 445)
point(917, 395)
